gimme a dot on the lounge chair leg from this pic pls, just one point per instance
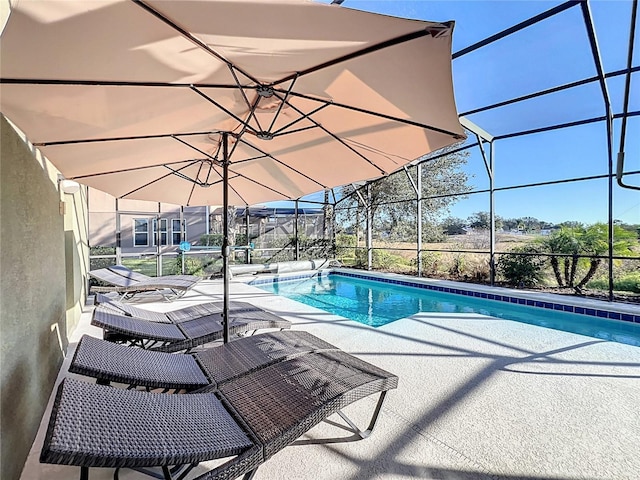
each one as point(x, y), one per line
point(167, 473)
point(365, 433)
point(84, 473)
point(249, 475)
point(186, 470)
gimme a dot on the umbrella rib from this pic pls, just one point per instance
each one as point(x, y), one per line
point(252, 113)
point(259, 184)
point(275, 117)
point(135, 169)
point(250, 107)
point(237, 174)
point(192, 38)
point(297, 130)
point(193, 184)
point(228, 112)
point(238, 193)
point(279, 162)
point(335, 137)
point(306, 115)
point(117, 139)
point(194, 148)
point(373, 48)
point(114, 83)
point(155, 180)
point(208, 176)
point(455, 135)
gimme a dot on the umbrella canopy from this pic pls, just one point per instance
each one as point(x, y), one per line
point(163, 101)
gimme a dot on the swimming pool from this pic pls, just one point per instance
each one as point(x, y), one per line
point(374, 303)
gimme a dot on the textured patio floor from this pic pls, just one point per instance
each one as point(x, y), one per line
point(479, 398)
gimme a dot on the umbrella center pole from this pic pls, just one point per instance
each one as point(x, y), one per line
point(225, 236)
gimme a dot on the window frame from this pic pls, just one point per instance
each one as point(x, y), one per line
point(162, 231)
point(136, 222)
point(182, 233)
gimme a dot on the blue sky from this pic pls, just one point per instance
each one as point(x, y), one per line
point(548, 54)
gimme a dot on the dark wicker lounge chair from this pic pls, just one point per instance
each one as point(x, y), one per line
point(128, 283)
point(250, 417)
point(185, 334)
point(183, 314)
point(190, 312)
point(110, 362)
point(140, 277)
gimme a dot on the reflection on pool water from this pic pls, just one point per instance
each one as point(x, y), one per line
point(374, 303)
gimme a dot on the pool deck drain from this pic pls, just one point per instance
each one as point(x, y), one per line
point(478, 398)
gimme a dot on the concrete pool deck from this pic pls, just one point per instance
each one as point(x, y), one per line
point(478, 398)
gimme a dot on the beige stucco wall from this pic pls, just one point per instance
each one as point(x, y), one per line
point(42, 289)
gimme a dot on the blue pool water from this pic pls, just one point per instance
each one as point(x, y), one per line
point(374, 303)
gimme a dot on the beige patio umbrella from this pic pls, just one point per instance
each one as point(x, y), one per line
point(235, 102)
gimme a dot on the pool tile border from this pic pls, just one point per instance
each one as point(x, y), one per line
point(593, 312)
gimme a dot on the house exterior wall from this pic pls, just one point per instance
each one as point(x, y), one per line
point(42, 277)
point(104, 210)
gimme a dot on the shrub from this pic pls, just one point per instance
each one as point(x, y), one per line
point(192, 266)
point(430, 263)
point(346, 247)
point(522, 266)
point(381, 259)
point(211, 240)
point(457, 267)
point(313, 247)
point(97, 263)
point(478, 270)
point(626, 283)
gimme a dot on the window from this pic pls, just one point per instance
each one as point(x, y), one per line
point(176, 232)
point(140, 232)
point(161, 231)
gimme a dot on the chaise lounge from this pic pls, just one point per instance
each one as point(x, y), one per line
point(128, 283)
point(183, 314)
point(184, 334)
point(109, 362)
point(249, 417)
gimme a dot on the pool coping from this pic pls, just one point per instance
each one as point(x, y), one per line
point(549, 301)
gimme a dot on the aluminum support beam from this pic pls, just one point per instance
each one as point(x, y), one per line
point(597, 60)
point(417, 188)
point(369, 229)
point(247, 223)
point(118, 236)
point(295, 230)
point(225, 235)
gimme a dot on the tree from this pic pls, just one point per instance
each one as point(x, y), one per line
point(393, 198)
point(633, 228)
point(453, 226)
point(579, 245)
point(482, 221)
point(510, 223)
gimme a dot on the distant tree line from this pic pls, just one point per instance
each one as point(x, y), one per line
point(482, 221)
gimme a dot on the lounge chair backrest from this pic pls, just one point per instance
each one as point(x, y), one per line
point(128, 273)
point(97, 425)
point(112, 321)
point(104, 302)
point(107, 276)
